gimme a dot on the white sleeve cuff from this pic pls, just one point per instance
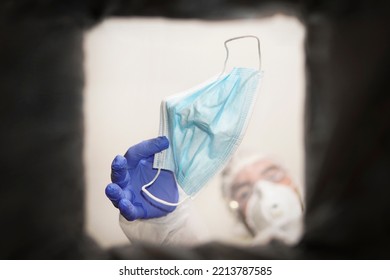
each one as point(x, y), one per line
point(174, 229)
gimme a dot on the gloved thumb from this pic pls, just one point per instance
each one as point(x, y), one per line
point(145, 149)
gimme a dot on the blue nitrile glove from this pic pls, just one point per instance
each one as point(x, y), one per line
point(131, 172)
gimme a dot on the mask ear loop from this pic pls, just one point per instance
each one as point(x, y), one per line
point(152, 196)
point(143, 188)
point(237, 38)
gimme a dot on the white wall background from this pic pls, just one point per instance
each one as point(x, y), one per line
point(132, 64)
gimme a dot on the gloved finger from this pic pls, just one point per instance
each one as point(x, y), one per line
point(130, 211)
point(119, 174)
point(114, 193)
point(145, 149)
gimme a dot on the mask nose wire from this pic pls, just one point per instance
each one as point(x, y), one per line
point(237, 38)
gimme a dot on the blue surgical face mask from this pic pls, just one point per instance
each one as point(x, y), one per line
point(205, 125)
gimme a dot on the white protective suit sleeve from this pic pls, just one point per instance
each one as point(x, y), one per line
point(177, 228)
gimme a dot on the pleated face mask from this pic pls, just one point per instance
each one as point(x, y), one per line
point(205, 125)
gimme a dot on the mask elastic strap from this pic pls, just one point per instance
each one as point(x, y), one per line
point(241, 37)
point(143, 188)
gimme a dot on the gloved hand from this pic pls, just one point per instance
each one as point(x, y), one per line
point(131, 172)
